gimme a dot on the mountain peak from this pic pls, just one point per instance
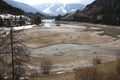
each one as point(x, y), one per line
point(58, 8)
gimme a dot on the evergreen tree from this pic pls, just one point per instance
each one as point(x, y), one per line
point(58, 17)
point(21, 21)
point(1, 22)
point(7, 23)
point(37, 20)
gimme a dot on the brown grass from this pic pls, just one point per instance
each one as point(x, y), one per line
point(106, 71)
point(88, 73)
point(66, 76)
point(41, 36)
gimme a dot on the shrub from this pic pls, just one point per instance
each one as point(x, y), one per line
point(96, 60)
point(46, 66)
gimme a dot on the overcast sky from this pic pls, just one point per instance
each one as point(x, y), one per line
point(34, 2)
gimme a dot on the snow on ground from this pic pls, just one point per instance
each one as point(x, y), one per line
point(23, 27)
point(5, 31)
point(17, 28)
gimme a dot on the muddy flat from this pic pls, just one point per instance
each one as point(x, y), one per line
point(62, 45)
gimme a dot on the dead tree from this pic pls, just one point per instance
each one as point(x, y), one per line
point(15, 64)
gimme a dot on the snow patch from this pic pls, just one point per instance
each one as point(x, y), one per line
point(73, 10)
point(22, 27)
point(61, 10)
point(47, 10)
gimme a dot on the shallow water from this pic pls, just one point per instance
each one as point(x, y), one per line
point(56, 48)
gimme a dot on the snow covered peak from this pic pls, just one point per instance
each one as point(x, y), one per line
point(62, 10)
point(47, 10)
point(58, 8)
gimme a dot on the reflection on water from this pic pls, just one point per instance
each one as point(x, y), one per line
point(48, 22)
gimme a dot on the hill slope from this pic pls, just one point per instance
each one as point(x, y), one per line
point(8, 9)
point(100, 11)
point(25, 7)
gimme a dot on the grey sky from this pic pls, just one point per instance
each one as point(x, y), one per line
point(34, 2)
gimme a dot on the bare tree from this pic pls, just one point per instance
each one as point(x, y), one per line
point(20, 55)
point(13, 65)
point(4, 44)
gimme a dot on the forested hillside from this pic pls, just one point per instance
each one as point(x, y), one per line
point(100, 11)
point(7, 9)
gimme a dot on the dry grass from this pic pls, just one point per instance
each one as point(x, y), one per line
point(41, 37)
point(88, 73)
point(66, 76)
point(53, 58)
point(106, 70)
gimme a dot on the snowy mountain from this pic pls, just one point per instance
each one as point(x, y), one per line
point(23, 6)
point(47, 8)
point(58, 8)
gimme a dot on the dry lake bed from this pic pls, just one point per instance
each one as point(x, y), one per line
point(70, 46)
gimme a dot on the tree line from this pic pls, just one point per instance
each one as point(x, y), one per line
point(20, 21)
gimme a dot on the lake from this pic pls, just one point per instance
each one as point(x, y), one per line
point(48, 22)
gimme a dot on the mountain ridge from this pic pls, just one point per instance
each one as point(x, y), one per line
point(100, 11)
point(23, 6)
point(58, 8)
point(5, 8)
